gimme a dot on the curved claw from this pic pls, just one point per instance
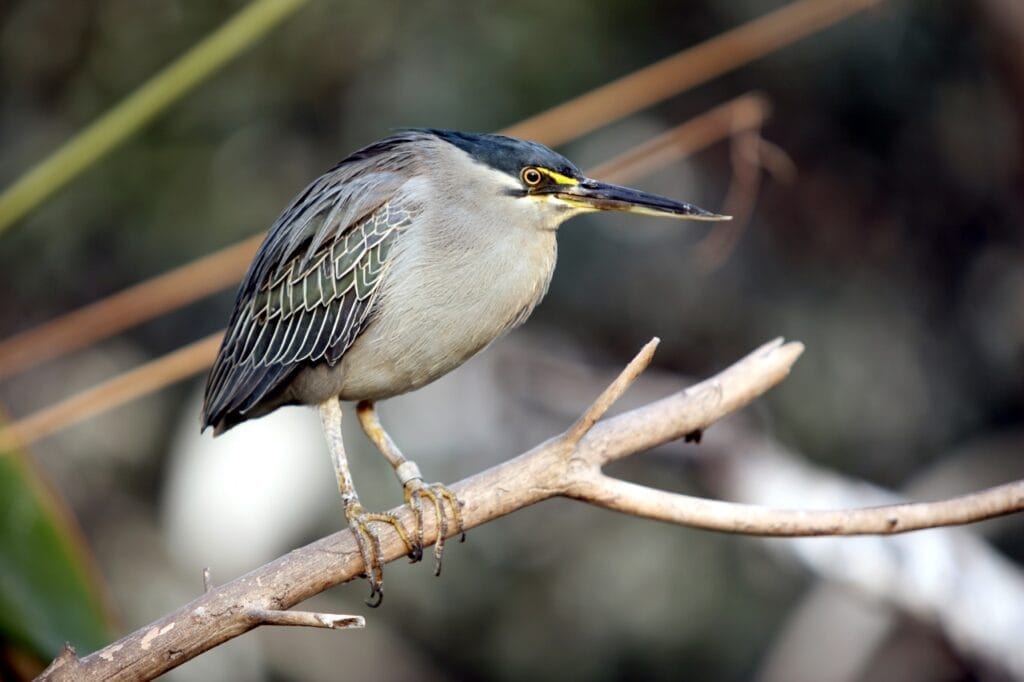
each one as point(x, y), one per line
point(370, 549)
point(417, 509)
point(437, 494)
point(376, 596)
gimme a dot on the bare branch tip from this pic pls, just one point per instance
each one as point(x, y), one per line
point(342, 622)
point(796, 348)
point(612, 393)
point(642, 359)
point(207, 579)
point(330, 621)
point(778, 345)
point(789, 351)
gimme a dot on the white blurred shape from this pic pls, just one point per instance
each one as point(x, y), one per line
point(946, 576)
point(234, 502)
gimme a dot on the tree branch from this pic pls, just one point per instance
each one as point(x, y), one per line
point(568, 465)
point(749, 519)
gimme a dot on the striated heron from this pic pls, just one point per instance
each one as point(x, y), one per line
point(387, 272)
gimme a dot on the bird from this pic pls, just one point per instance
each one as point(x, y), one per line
point(390, 270)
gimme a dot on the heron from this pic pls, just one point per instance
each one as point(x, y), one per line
point(389, 271)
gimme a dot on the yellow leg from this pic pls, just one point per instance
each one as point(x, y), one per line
point(415, 489)
point(358, 518)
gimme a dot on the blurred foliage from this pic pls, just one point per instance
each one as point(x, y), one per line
point(48, 594)
point(134, 111)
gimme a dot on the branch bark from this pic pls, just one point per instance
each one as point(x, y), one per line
point(568, 465)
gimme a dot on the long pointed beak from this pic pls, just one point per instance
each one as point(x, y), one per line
point(593, 195)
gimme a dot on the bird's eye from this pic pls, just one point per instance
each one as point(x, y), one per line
point(531, 176)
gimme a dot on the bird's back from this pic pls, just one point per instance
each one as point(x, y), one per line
point(309, 291)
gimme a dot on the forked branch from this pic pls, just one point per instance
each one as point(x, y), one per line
point(568, 465)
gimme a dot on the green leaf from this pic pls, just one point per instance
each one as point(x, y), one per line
point(49, 594)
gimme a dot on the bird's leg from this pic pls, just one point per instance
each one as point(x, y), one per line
point(415, 489)
point(358, 518)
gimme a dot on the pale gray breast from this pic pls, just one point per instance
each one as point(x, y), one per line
point(474, 263)
point(451, 289)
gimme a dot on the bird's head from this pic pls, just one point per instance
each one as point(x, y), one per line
point(541, 180)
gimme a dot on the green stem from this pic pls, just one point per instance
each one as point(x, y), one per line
point(137, 109)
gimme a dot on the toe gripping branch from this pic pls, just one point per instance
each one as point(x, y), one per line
point(368, 541)
point(437, 494)
point(416, 491)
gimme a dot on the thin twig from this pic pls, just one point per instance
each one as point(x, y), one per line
point(694, 408)
point(751, 155)
point(331, 621)
point(611, 394)
point(714, 248)
point(776, 161)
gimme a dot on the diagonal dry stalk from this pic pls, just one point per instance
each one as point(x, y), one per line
point(568, 465)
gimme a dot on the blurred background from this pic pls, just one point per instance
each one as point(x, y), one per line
point(880, 207)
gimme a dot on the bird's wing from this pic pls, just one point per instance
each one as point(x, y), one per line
point(310, 290)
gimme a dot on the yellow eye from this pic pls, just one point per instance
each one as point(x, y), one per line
point(531, 176)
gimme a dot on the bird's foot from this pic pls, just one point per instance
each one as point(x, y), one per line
point(359, 521)
point(436, 495)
